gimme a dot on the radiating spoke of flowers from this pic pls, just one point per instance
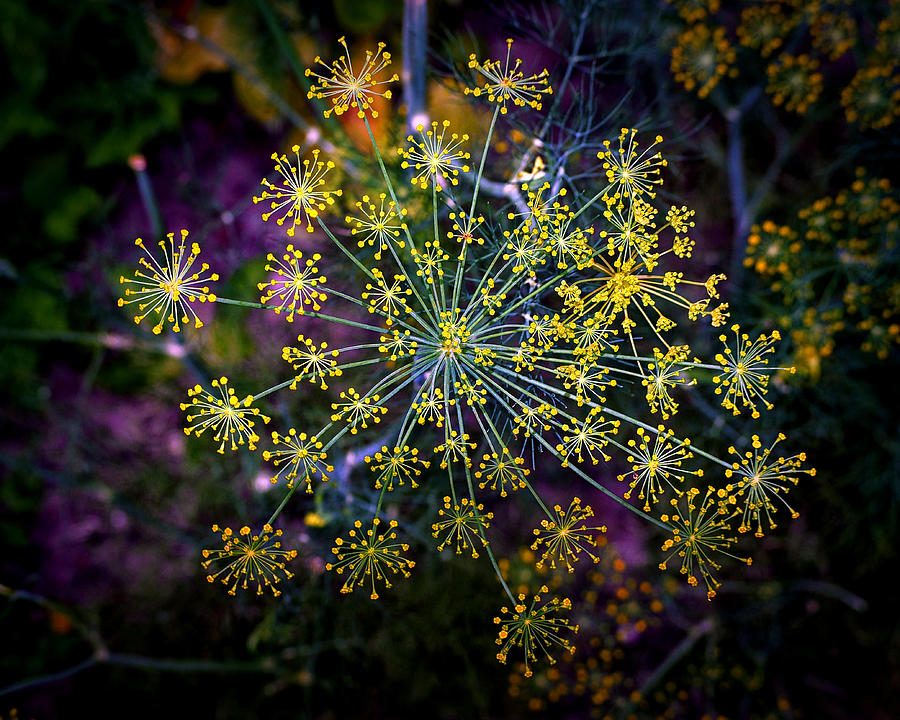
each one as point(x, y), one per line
point(657, 464)
point(540, 628)
point(249, 559)
point(566, 538)
point(632, 173)
point(794, 81)
point(379, 225)
point(346, 87)
point(312, 362)
point(396, 466)
point(758, 479)
point(701, 57)
point(298, 456)
point(746, 370)
point(666, 371)
point(299, 197)
point(461, 526)
point(370, 558)
point(295, 285)
point(700, 532)
point(231, 420)
point(166, 287)
point(503, 83)
point(436, 156)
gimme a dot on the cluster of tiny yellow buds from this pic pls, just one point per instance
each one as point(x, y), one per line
point(398, 344)
point(345, 88)
point(249, 559)
point(455, 448)
point(454, 331)
point(398, 465)
point(565, 538)
point(379, 225)
point(746, 371)
point(537, 628)
point(587, 437)
point(370, 557)
point(666, 371)
point(230, 419)
point(432, 406)
point(461, 526)
point(299, 457)
point(296, 284)
point(473, 393)
point(435, 156)
point(759, 479)
point(833, 33)
point(702, 57)
point(631, 173)
point(504, 470)
point(503, 83)
point(680, 218)
point(357, 410)
point(657, 465)
point(872, 99)
point(299, 198)
point(313, 363)
point(700, 531)
point(390, 300)
point(166, 287)
point(429, 261)
point(765, 27)
point(464, 227)
point(794, 82)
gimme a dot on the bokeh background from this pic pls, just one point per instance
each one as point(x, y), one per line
point(120, 120)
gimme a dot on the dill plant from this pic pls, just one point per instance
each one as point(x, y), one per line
point(481, 340)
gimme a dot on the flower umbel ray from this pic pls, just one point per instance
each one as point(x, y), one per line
point(167, 287)
point(758, 478)
point(700, 532)
point(564, 539)
point(538, 628)
point(347, 88)
point(249, 560)
point(299, 198)
point(504, 83)
point(228, 417)
point(369, 557)
point(461, 526)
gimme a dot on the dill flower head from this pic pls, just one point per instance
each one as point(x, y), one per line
point(758, 479)
point(299, 198)
point(700, 532)
point(538, 628)
point(872, 99)
point(231, 420)
point(167, 287)
point(461, 525)
point(746, 371)
point(794, 81)
point(435, 156)
point(249, 559)
point(657, 465)
point(502, 82)
point(296, 285)
point(702, 57)
point(346, 87)
point(565, 538)
point(765, 27)
point(298, 457)
point(370, 557)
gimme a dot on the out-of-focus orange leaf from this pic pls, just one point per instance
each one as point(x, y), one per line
point(182, 61)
